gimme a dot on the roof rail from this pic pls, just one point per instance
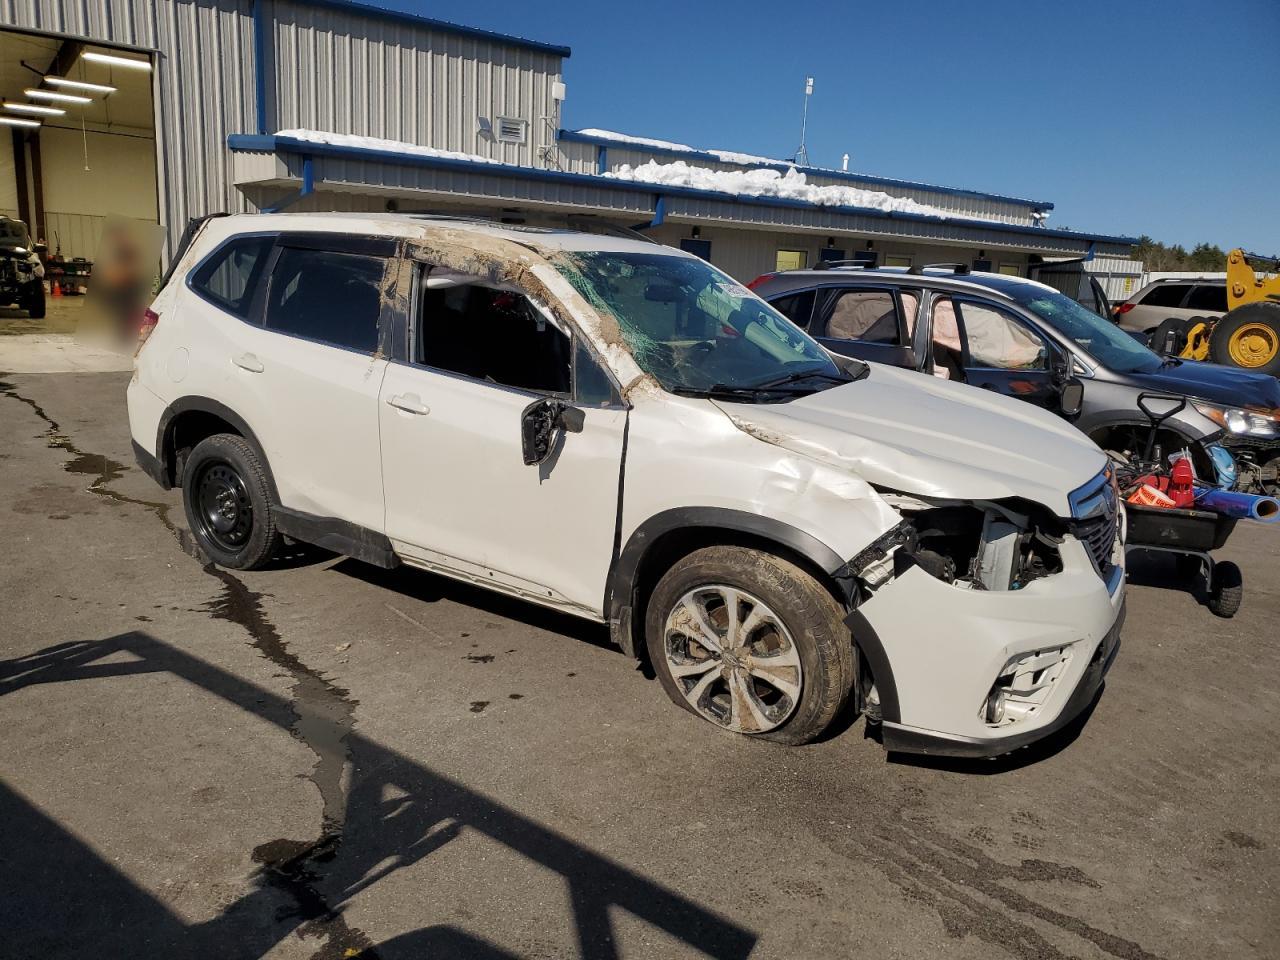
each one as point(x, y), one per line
point(832, 264)
point(957, 268)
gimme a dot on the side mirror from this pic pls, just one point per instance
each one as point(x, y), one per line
point(541, 423)
point(1072, 397)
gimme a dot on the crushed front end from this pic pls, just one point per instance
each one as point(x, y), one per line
point(987, 625)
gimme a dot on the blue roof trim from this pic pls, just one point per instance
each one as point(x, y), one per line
point(444, 26)
point(242, 141)
point(573, 136)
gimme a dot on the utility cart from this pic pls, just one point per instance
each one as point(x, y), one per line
point(1190, 534)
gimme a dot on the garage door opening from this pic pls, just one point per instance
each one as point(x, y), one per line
point(77, 161)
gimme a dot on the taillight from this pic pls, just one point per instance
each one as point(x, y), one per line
point(148, 323)
point(759, 280)
point(1123, 308)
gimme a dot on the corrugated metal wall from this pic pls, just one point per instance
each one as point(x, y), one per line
point(372, 77)
point(203, 83)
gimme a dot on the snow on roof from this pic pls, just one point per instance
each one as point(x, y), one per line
point(727, 156)
point(789, 185)
point(377, 143)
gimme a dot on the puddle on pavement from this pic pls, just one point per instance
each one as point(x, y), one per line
point(323, 711)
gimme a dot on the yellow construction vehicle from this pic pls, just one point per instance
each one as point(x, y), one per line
point(1248, 335)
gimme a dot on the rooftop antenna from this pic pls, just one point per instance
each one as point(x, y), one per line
point(802, 155)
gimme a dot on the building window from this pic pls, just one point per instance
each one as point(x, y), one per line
point(1011, 269)
point(792, 259)
point(982, 266)
point(830, 254)
point(897, 260)
point(869, 257)
point(511, 130)
point(699, 248)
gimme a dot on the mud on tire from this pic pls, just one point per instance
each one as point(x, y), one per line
point(788, 628)
point(228, 502)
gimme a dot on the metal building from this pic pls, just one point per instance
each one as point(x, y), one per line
point(324, 105)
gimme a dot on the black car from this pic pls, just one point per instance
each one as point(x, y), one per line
point(1027, 340)
point(21, 273)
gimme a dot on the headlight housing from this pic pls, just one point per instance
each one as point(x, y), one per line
point(1242, 421)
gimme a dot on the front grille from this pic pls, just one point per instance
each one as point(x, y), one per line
point(1096, 514)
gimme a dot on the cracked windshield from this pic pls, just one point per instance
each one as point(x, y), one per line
point(699, 332)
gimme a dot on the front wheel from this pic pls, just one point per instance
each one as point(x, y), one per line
point(33, 300)
point(751, 643)
point(228, 502)
point(1249, 337)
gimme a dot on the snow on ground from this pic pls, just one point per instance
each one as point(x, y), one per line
point(791, 185)
point(376, 143)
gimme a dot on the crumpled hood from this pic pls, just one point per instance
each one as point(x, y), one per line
point(930, 437)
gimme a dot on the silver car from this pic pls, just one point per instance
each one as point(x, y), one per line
point(1181, 299)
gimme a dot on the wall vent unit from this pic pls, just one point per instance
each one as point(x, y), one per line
point(510, 130)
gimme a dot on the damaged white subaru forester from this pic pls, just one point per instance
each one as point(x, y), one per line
point(618, 430)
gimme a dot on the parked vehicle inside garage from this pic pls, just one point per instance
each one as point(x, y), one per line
point(1026, 340)
point(21, 272)
point(618, 430)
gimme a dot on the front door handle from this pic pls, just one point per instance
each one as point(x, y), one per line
point(409, 403)
point(247, 361)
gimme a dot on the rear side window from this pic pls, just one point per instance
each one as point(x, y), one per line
point(325, 296)
point(796, 307)
point(1208, 298)
point(1166, 295)
point(230, 276)
point(867, 315)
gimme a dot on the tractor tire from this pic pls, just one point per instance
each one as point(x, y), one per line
point(1249, 338)
point(1170, 338)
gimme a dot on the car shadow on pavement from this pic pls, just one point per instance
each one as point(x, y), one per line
point(58, 897)
point(1160, 570)
point(431, 588)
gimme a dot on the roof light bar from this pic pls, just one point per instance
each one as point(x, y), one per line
point(35, 94)
point(18, 122)
point(79, 85)
point(116, 61)
point(34, 108)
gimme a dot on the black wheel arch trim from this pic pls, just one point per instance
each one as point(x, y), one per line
point(620, 588)
point(871, 647)
point(196, 404)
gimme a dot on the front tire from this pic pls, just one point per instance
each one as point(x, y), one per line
point(751, 643)
point(228, 502)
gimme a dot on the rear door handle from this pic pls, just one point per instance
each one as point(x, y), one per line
point(409, 403)
point(247, 361)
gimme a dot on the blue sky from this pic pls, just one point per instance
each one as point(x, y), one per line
point(1156, 118)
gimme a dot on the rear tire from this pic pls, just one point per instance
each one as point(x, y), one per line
point(1249, 338)
point(33, 300)
point(1170, 338)
point(785, 678)
point(1227, 590)
point(228, 502)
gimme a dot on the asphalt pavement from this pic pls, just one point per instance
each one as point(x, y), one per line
point(326, 760)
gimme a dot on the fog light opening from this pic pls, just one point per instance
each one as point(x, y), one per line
point(993, 711)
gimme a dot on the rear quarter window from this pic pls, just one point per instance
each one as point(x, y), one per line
point(1166, 295)
point(231, 275)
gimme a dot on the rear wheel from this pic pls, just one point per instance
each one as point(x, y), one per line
point(1170, 337)
point(228, 503)
point(1249, 337)
point(1227, 589)
point(33, 300)
point(751, 643)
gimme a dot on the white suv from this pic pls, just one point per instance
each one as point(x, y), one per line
point(618, 430)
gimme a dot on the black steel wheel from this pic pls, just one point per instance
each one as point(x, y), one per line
point(228, 502)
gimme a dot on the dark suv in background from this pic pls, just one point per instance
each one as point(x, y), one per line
point(1027, 340)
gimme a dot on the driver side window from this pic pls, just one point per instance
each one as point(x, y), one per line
point(497, 336)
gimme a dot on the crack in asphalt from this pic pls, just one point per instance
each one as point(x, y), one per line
point(323, 711)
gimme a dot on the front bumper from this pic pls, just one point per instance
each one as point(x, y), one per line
point(936, 650)
point(896, 737)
